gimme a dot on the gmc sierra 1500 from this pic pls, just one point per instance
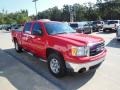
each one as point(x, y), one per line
point(59, 45)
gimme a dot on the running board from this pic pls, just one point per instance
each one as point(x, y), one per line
point(42, 60)
point(34, 55)
point(30, 54)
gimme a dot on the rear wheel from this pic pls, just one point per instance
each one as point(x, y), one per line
point(104, 30)
point(56, 65)
point(17, 47)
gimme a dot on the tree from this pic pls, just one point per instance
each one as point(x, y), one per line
point(109, 9)
point(11, 18)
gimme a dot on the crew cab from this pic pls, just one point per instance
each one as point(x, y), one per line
point(60, 46)
point(111, 25)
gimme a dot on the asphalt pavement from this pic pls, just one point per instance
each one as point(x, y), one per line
point(28, 73)
point(14, 75)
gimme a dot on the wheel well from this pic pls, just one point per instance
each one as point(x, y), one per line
point(14, 39)
point(50, 51)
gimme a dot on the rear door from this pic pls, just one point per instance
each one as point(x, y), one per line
point(25, 35)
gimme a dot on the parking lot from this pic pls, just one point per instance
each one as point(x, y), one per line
point(105, 78)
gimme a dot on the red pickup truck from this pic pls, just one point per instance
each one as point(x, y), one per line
point(59, 45)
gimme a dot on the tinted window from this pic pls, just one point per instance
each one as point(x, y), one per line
point(36, 28)
point(112, 22)
point(27, 27)
point(74, 25)
point(58, 28)
point(97, 22)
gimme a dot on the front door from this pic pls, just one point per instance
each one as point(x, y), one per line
point(37, 40)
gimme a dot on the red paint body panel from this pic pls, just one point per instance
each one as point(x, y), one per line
point(61, 43)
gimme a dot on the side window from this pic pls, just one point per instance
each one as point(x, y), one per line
point(36, 29)
point(27, 27)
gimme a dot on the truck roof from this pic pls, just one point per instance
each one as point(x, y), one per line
point(43, 21)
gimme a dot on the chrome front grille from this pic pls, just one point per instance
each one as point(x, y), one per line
point(96, 49)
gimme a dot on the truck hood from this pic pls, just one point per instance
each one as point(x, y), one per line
point(78, 39)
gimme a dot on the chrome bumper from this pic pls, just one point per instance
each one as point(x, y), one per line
point(77, 67)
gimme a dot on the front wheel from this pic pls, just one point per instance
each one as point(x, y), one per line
point(91, 31)
point(56, 65)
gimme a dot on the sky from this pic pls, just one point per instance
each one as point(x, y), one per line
point(16, 5)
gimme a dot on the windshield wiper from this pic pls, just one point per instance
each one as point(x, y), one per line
point(62, 33)
point(72, 32)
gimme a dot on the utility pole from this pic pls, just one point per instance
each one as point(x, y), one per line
point(71, 13)
point(35, 8)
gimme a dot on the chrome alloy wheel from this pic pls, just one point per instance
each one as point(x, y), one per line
point(54, 65)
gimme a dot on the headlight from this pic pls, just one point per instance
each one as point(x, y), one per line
point(80, 51)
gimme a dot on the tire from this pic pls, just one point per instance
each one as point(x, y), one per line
point(91, 31)
point(17, 47)
point(118, 40)
point(56, 65)
point(97, 30)
point(104, 30)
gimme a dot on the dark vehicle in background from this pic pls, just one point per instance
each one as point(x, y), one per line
point(0, 27)
point(16, 26)
point(111, 25)
point(4, 26)
point(8, 27)
point(97, 25)
point(78, 26)
point(87, 28)
point(118, 33)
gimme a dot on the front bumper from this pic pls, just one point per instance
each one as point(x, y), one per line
point(87, 30)
point(87, 66)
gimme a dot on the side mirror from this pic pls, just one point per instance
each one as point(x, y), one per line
point(37, 32)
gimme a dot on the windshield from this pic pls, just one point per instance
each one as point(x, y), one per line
point(58, 28)
point(97, 22)
point(88, 24)
point(82, 23)
point(112, 22)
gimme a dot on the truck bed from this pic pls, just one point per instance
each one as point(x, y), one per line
point(16, 34)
